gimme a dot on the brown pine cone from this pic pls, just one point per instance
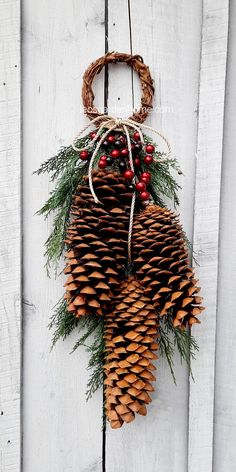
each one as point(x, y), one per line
point(97, 243)
point(161, 260)
point(131, 331)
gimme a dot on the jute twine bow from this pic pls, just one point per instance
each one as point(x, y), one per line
point(117, 124)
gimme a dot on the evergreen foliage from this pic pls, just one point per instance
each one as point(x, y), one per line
point(68, 170)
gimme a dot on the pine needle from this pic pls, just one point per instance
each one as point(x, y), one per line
point(57, 164)
point(167, 349)
point(62, 321)
point(59, 204)
point(172, 338)
point(96, 360)
point(163, 184)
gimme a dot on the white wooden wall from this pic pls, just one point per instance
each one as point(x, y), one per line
point(45, 423)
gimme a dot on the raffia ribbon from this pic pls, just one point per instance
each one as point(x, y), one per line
point(117, 124)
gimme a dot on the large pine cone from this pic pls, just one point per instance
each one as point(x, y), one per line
point(97, 243)
point(161, 260)
point(131, 331)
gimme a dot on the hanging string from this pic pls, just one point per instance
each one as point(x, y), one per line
point(132, 207)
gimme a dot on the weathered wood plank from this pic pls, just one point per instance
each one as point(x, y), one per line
point(10, 236)
point(61, 431)
point(206, 226)
point(167, 35)
point(225, 382)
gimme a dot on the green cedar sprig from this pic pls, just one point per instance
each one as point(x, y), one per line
point(170, 338)
point(91, 329)
point(59, 204)
point(62, 322)
point(56, 164)
point(68, 170)
point(163, 183)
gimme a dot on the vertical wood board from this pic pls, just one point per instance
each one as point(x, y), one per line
point(225, 381)
point(206, 226)
point(10, 236)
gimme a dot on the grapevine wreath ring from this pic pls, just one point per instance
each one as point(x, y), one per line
point(129, 277)
point(137, 64)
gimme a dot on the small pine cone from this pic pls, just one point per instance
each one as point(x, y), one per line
point(97, 243)
point(130, 335)
point(161, 260)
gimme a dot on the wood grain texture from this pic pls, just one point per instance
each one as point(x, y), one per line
point(164, 34)
point(225, 381)
point(61, 431)
point(10, 241)
point(206, 226)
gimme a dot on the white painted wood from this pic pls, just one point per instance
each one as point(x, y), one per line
point(168, 38)
point(206, 226)
point(10, 231)
point(225, 381)
point(61, 431)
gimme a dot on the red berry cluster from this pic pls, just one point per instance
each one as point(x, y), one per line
point(116, 149)
point(141, 186)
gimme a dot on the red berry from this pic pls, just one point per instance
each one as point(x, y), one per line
point(136, 136)
point(93, 135)
point(137, 162)
point(115, 153)
point(150, 148)
point(111, 139)
point(141, 186)
point(148, 159)
point(103, 158)
point(124, 152)
point(84, 155)
point(102, 164)
point(128, 174)
point(144, 195)
point(146, 175)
